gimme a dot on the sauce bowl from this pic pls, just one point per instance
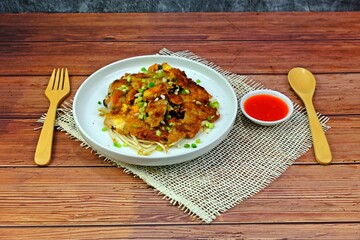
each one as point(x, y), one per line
point(266, 107)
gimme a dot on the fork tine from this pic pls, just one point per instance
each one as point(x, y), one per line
point(66, 81)
point(61, 82)
point(57, 81)
point(51, 83)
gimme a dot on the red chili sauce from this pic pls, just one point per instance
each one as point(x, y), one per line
point(266, 107)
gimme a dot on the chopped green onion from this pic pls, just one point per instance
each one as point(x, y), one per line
point(143, 69)
point(158, 133)
point(125, 144)
point(142, 116)
point(214, 104)
point(185, 91)
point(99, 102)
point(198, 141)
point(123, 88)
point(209, 125)
point(151, 84)
point(159, 74)
point(104, 129)
point(193, 145)
point(198, 81)
point(158, 148)
point(186, 145)
point(116, 144)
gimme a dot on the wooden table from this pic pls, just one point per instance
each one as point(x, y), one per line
point(80, 197)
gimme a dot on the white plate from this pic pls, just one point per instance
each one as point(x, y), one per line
point(95, 87)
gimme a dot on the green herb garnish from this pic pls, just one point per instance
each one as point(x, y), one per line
point(151, 84)
point(214, 104)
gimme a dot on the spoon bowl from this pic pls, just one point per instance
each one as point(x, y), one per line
point(303, 83)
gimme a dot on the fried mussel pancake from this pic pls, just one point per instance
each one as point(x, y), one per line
point(159, 104)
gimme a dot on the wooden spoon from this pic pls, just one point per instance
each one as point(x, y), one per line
point(303, 83)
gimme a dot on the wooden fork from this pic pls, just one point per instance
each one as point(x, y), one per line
point(56, 91)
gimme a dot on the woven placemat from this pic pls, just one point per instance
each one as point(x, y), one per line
point(243, 164)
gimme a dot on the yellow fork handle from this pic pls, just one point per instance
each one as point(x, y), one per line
point(321, 146)
point(44, 146)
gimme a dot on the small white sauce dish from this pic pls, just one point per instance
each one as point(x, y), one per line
point(273, 93)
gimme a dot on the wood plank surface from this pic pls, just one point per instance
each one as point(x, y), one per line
point(242, 57)
point(229, 231)
point(79, 196)
point(108, 196)
point(190, 27)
